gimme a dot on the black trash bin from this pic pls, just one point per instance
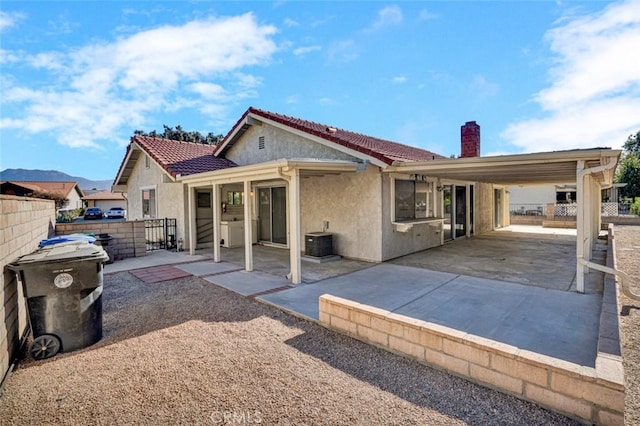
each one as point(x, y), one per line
point(63, 287)
point(103, 241)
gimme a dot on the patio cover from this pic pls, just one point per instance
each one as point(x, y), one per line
point(290, 171)
point(590, 169)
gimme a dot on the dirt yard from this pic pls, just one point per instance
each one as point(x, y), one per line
point(628, 257)
point(188, 352)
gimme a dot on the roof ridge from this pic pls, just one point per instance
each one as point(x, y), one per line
point(382, 149)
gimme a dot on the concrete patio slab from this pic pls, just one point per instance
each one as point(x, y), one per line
point(248, 283)
point(385, 286)
point(556, 323)
point(207, 267)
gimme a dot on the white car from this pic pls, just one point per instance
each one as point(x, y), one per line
point(116, 213)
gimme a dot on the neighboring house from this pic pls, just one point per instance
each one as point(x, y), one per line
point(380, 199)
point(528, 199)
point(69, 190)
point(106, 200)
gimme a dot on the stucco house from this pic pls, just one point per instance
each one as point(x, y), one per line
point(105, 200)
point(69, 190)
point(379, 199)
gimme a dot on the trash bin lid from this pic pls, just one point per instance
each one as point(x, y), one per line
point(67, 238)
point(69, 251)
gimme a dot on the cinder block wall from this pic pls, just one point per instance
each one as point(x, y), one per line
point(128, 237)
point(23, 223)
point(591, 395)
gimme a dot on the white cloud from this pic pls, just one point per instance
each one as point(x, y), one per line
point(291, 22)
point(399, 79)
point(594, 95)
point(425, 15)
point(303, 50)
point(8, 20)
point(327, 101)
point(293, 99)
point(343, 51)
point(481, 88)
point(113, 86)
point(387, 16)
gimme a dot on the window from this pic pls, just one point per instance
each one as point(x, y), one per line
point(234, 198)
point(148, 203)
point(204, 200)
point(414, 199)
point(147, 162)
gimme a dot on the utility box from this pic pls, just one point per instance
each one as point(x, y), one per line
point(318, 244)
point(63, 287)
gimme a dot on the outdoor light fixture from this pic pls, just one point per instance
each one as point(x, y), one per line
point(440, 188)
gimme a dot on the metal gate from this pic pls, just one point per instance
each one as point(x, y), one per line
point(160, 234)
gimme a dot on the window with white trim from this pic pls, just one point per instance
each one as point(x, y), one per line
point(414, 199)
point(148, 203)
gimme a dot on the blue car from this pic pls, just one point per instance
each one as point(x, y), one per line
point(93, 213)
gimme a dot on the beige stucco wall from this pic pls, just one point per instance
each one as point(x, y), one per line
point(74, 202)
point(483, 208)
point(278, 144)
point(23, 223)
point(171, 198)
point(351, 204)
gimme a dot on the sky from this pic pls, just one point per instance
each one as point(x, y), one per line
point(78, 77)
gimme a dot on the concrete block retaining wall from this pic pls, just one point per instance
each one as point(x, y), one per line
point(128, 237)
point(23, 223)
point(593, 395)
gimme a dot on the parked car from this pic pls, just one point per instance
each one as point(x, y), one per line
point(93, 213)
point(116, 212)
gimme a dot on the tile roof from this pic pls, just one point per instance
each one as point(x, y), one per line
point(105, 195)
point(182, 158)
point(384, 150)
point(62, 188)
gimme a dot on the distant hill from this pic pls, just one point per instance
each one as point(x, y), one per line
point(53, 176)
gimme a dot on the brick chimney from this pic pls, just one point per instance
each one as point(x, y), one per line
point(470, 140)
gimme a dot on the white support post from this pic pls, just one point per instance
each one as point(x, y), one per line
point(581, 206)
point(453, 212)
point(191, 212)
point(294, 227)
point(215, 203)
point(468, 210)
point(248, 238)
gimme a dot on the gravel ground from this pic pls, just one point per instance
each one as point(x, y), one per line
point(188, 352)
point(628, 257)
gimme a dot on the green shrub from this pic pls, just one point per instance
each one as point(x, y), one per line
point(635, 207)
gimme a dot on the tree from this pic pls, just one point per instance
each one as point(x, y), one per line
point(59, 199)
point(179, 134)
point(629, 167)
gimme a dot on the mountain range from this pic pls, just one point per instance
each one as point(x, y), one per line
point(53, 176)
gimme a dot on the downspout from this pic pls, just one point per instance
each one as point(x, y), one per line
point(624, 278)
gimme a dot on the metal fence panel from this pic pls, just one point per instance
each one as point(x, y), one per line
point(160, 234)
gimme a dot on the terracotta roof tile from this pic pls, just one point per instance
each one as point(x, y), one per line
point(182, 158)
point(62, 188)
point(384, 150)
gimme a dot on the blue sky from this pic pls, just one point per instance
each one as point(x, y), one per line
point(79, 77)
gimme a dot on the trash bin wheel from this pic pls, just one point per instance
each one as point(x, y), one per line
point(44, 347)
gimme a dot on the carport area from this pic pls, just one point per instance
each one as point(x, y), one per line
point(531, 255)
